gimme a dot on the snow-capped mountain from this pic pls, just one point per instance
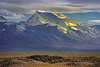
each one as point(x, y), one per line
point(65, 24)
point(47, 30)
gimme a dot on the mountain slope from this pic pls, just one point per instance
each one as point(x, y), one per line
point(97, 28)
point(65, 24)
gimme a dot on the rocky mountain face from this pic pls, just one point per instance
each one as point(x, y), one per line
point(47, 30)
point(2, 19)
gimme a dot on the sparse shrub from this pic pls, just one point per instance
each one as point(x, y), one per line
point(6, 62)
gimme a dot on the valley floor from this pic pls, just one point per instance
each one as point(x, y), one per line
point(49, 58)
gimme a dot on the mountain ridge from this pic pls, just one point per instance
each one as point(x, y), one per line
point(65, 24)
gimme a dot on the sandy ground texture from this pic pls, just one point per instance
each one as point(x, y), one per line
point(49, 58)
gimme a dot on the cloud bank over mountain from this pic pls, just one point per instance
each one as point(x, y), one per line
point(10, 15)
point(68, 6)
point(17, 8)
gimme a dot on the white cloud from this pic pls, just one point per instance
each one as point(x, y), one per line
point(10, 15)
point(90, 22)
point(94, 22)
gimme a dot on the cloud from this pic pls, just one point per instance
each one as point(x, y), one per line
point(67, 9)
point(21, 1)
point(75, 5)
point(84, 1)
point(94, 22)
point(80, 7)
point(59, 6)
point(10, 15)
point(90, 22)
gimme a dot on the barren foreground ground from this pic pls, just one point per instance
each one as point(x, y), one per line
point(49, 58)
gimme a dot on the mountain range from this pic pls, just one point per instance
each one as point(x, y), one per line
point(48, 30)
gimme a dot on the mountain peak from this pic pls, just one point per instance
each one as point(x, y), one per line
point(61, 16)
point(42, 11)
point(63, 23)
point(42, 17)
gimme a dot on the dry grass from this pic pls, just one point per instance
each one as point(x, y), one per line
point(50, 59)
